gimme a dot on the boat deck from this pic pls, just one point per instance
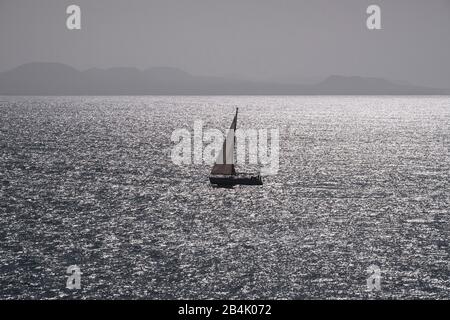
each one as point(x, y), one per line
point(237, 179)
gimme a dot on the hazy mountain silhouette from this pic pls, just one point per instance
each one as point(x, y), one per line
point(59, 79)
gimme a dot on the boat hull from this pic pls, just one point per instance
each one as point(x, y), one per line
point(235, 180)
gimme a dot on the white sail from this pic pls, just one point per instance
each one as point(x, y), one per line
point(225, 161)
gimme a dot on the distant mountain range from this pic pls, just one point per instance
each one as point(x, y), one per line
point(59, 79)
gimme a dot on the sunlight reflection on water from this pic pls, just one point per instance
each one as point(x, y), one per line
point(89, 181)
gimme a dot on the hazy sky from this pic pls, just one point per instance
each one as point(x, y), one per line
point(257, 39)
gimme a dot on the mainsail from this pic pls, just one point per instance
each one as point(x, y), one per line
point(225, 161)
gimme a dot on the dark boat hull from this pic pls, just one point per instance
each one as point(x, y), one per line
point(235, 180)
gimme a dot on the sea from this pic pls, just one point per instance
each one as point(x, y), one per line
point(358, 209)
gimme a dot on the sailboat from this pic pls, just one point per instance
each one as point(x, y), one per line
point(223, 172)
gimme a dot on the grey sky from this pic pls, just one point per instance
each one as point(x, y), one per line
point(256, 39)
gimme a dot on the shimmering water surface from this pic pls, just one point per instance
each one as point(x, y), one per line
point(88, 181)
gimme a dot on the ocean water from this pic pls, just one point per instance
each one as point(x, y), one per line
point(89, 181)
